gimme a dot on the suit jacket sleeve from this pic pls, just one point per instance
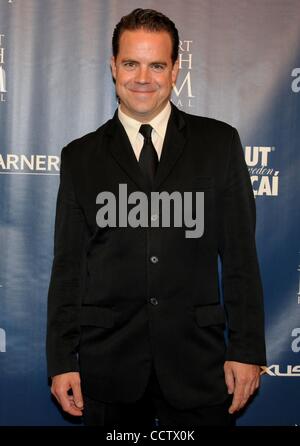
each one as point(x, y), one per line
point(64, 295)
point(242, 288)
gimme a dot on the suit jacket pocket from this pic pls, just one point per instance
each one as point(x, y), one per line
point(208, 315)
point(96, 316)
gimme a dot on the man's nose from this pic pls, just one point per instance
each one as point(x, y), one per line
point(143, 75)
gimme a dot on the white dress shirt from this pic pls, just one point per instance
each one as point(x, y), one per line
point(159, 124)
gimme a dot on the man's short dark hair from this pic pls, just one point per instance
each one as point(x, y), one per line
point(150, 20)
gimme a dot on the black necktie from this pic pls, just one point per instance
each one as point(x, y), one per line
point(148, 160)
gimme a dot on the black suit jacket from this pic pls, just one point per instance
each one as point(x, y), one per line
point(112, 311)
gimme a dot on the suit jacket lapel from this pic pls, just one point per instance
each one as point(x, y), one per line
point(121, 150)
point(172, 148)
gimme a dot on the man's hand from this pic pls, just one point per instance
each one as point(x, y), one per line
point(242, 380)
point(61, 384)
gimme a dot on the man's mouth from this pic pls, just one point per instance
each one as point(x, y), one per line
point(134, 90)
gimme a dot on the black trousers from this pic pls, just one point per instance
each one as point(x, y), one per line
point(152, 411)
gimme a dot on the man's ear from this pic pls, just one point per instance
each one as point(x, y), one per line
point(113, 66)
point(175, 70)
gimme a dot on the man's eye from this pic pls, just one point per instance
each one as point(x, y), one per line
point(129, 65)
point(158, 67)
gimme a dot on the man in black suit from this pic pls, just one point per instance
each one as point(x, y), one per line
point(135, 315)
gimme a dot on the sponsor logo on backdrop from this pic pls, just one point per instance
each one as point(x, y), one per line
point(280, 370)
point(2, 341)
point(264, 178)
point(29, 164)
point(295, 345)
point(183, 94)
point(295, 85)
point(3, 90)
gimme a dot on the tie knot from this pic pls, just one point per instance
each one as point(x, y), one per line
point(146, 130)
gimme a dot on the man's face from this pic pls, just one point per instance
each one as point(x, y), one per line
point(144, 73)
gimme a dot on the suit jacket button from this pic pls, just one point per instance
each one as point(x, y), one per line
point(153, 259)
point(153, 301)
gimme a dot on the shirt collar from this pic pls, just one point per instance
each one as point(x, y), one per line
point(159, 123)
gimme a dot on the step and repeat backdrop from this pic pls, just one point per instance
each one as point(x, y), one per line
point(240, 63)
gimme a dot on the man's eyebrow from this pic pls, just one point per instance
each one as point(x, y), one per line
point(129, 60)
point(158, 63)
